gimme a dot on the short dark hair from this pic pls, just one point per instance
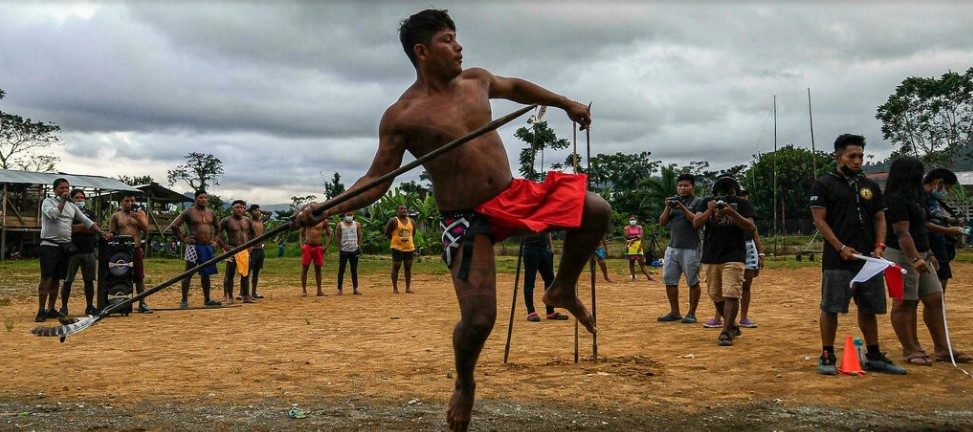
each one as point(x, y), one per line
point(127, 194)
point(200, 192)
point(253, 207)
point(845, 140)
point(241, 202)
point(947, 176)
point(58, 181)
point(686, 176)
point(75, 192)
point(419, 28)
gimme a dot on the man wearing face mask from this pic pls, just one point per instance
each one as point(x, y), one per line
point(633, 248)
point(349, 235)
point(86, 258)
point(59, 216)
point(849, 211)
point(943, 234)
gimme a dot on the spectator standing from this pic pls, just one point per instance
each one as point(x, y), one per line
point(727, 219)
point(683, 253)
point(58, 217)
point(400, 230)
point(849, 212)
point(633, 248)
point(86, 259)
point(349, 233)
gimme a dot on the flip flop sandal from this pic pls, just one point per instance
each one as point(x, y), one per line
point(557, 316)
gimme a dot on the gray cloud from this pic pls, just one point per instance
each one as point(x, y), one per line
point(285, 92)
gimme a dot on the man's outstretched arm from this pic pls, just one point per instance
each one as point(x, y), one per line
point(526, 92)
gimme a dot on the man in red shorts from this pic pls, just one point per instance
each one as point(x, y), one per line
point(474, 188)
point(313, 251)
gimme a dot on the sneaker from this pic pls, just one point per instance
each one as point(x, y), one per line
point(735, 332)
point(712, 323)
point(826, 364)
point(91, 310)
point(557, 316)
point(41, 316)
point(257, 296)
point(184, 305)
point(144, 308)
point(689, 319)
point(239, 298)
point(669, 317)
point(882, 364)
point(214, 303)
point(748, 323)
point(51, 313)
point(63, 311)
point(533, 317)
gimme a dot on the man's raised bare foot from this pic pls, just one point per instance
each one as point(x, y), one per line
point(249, 299)
point(574, 305)
point(459, 412)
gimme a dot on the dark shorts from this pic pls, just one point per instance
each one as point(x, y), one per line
point(944, 254)
point(256, 259)
point(836, 293)
point(54, 263)
point(87, 262)
point(398, 255)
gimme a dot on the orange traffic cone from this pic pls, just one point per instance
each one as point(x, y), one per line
point(849, 360)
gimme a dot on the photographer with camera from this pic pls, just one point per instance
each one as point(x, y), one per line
point(683, 253)
point(130, 221)
point(58, 217)
point(727, 219)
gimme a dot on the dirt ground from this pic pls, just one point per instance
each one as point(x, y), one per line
point(384, 362)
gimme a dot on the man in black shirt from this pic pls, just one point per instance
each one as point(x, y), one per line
point(727, 219)
point(849, 211)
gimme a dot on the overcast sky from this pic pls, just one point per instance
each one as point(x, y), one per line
point(284, 92)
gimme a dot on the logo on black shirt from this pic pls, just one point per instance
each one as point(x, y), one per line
point(866, 193)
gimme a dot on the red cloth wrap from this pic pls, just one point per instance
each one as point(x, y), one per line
point(557, 202)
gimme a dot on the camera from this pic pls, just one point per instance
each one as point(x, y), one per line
point(136, 207)
point(720, 201)
point(673, 200)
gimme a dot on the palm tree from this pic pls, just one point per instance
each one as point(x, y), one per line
point(652, 191)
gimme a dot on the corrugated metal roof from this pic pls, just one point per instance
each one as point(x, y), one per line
point(163, 194)
point(76, 180)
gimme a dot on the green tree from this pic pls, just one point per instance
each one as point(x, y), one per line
point(538, 137)
point(199, 171)
point(795, 173)
point(930, 118)
point(136, 180)
point(26, 144)
point(334, 187)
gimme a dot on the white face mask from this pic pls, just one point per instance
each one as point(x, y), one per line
point(349, 218)
point(632, 223)
point(80, 204)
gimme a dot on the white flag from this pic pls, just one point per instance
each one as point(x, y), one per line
point(872, 267)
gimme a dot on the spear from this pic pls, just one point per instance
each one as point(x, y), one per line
point(72, 326)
